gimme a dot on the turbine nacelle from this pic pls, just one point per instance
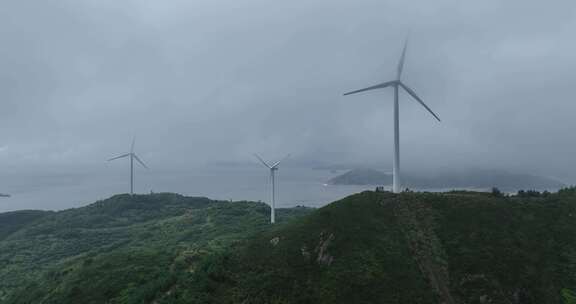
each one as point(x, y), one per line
point(132, 155)
point(397, 84)
point(273, 168)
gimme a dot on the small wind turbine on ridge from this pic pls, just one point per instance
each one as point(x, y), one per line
point(273, 168)
point(397, 83)
point(133, 157)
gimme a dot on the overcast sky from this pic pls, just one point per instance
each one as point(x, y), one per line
point(216, 80)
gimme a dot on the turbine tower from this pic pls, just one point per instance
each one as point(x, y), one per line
point(133, 157)
point(273, 168)
point(396, 84)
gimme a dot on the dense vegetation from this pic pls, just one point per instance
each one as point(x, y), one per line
point(121, 250)
point(12, 221)
point(372, 247)
point(459, 247)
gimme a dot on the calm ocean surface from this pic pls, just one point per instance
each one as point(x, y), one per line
point(296, 186)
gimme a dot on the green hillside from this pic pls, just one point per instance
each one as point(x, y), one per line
point(372, 247)
point(120, 248)
point(412, 248)
point(12, 221)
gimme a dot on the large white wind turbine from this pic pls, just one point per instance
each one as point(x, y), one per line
point(396, 84)
point(273, 168)
point(133, 157)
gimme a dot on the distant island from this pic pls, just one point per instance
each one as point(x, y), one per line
point(470, 179)
point(4, 195)
point(362, 177)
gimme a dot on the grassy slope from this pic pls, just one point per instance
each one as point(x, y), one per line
point(11, 222)
point(365, 257)
point(121, 250)
point(367, 248)
point(412, 248)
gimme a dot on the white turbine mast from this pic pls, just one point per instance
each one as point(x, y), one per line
point(133, 157)
point(396, 187)
point(273, 168)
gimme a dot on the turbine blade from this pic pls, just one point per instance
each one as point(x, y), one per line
point(378, 86)
point(121, 156)
point(278, 162)
point(413, 94)
point(402, 57)
point(140, 161)
point(262, 161)
point(132, 146)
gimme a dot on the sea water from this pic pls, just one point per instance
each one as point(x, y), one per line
point(57, 191)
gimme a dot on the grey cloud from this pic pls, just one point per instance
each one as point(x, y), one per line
point(217, 80)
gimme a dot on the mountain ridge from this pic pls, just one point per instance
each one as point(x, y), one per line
point(371, 247)
point(133, 237)
point(459, 247)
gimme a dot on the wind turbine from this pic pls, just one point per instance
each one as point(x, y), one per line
point(133, 157)
point(396, 84)
point(273, 168)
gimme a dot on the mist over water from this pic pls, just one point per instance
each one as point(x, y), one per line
point(205, 81)
point(296, 186)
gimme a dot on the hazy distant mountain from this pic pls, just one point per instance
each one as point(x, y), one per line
point(479, 179)
point(362, 177)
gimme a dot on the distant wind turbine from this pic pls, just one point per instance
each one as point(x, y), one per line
point(396, 84)
point(133, 157)
point(273, 168)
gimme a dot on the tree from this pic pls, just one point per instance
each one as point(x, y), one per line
point(569, 296)
point(496, 192)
